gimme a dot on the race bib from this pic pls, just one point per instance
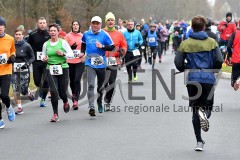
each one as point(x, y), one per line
point(143, 47)
point(151, 40)
point(97, 61)
point(39, 56)
point(56, 69)
point(136, 52)
point(76, 53)
point(3, 58)
point(111, 61)
point(17, 67)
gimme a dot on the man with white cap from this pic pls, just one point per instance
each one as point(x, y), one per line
point(7, 57)
point(113, 57)
point(95, 43)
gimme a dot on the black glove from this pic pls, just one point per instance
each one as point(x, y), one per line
point(25, 66)
point(74, 46)
point(137, 44)
point(121, 51)
point(11, 59)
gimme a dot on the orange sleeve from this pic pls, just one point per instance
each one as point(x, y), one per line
point(13, 49)
point(123, 44)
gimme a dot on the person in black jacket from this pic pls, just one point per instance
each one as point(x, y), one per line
point(21, 72)
point(36, 39)
point(208, 30)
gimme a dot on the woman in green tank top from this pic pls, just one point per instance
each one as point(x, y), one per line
point(55, 51)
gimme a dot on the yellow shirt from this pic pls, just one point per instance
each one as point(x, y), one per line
point(7, 48)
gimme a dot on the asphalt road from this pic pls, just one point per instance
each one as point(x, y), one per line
point(148, 126)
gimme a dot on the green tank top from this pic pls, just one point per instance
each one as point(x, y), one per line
point(53, 57)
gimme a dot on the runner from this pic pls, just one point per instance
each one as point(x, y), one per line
point(55, 51)
point(113, 57)
point(134, 40)
point(153, 37)
point(76, 65)
point(21, 72)
point(95, 42)
point(201, 53)
point(36, 39)
point(7, 57)
point(233, 48)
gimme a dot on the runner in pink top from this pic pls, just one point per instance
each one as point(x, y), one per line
point(76, 65)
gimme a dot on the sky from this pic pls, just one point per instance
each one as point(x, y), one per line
point(211, 2)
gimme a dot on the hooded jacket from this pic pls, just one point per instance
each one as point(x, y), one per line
point(201, 52)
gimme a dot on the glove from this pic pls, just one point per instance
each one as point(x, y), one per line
point(11, 59)
point(137, 44)
point(121, 51)
point(74, 46)
point(25, 66)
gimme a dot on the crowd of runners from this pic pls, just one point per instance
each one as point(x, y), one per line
point(59, 59)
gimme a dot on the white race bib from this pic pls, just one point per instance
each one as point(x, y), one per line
point(151, 40)
point(111, 61)
point(76, 53)
point(3, 58)
point(56, 69)
point(17, 67)
point(136, 52)
point(97, 61)
point(39, 56)
point(143, 47)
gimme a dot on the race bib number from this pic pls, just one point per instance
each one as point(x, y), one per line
point(55, 69)
point(3, 58)
point(39, 56)
point(143, 47)
point(136, 52)
point(111, 61)
point(76, 53)
point(96, 61)
point(151, 40)
point(17, 67)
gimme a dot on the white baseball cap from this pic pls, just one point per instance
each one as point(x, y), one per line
point(96, 19)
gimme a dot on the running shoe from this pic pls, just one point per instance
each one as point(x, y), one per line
point(100, 108)
point(11, 114)
point(19, 111)
point(75, 105)
point(152, 66)
point(92, 112)
point(66, 107)
point(42, 103)
point(107, 107)
point(135, 78)
point(203, 119)
point(2, 124)
point(199, 146)
point(54, 118)
point(31, 96)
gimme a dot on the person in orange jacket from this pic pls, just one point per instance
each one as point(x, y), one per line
point(113, 57)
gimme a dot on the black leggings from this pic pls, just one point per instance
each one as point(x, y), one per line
point(75, 75)
point(131, 62)
point(4, 86)
point(58, 87)
point(203, 102)
point(235, 73)
point(40, 78)
point(111, 84)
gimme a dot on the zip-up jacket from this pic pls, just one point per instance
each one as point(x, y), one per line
point(201, 53)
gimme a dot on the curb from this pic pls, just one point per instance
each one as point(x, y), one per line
point(226, 75)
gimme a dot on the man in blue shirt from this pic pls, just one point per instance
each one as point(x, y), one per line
point(95, 42)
